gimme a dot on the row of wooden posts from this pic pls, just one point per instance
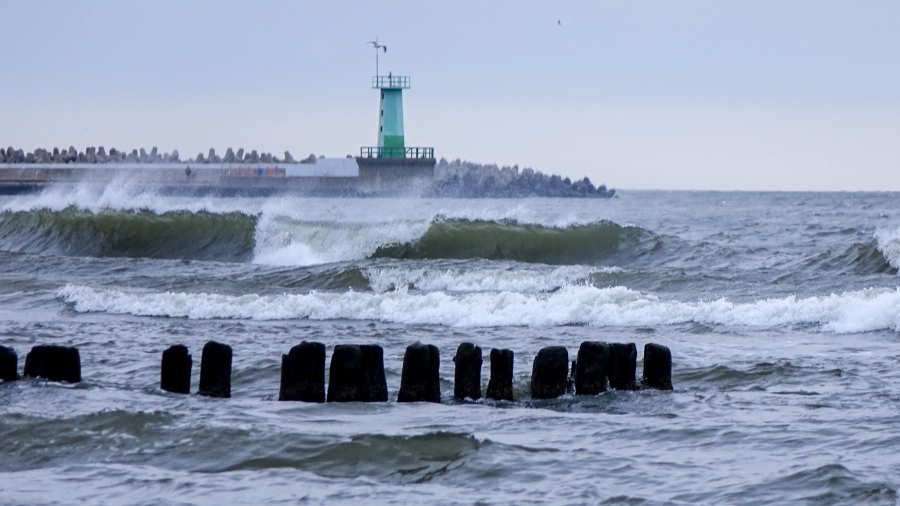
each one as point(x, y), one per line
point(356, 373)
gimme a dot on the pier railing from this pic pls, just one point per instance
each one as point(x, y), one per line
point(390, 81)
point(381, 152)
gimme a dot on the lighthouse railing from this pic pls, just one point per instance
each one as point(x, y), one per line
point(395, 152)
point(390, 81)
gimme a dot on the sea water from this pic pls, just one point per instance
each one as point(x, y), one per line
point(781, 311)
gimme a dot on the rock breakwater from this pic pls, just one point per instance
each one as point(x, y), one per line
point(100, 155)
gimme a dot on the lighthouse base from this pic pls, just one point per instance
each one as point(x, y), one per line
point(395, 176)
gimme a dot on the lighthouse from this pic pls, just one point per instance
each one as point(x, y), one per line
point(391, 143)
point(393, 164)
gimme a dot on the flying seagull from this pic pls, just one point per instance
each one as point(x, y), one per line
point(559, 22)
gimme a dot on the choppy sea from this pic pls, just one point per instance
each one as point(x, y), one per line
point(781, 311)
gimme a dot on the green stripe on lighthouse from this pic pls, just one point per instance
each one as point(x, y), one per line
point(393, 142)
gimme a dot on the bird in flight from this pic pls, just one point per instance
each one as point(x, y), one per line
point(559, 22)
point(377, 46)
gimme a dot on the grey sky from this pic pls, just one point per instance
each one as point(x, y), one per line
point(705, 94)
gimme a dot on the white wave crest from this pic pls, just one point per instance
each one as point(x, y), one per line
point(889, 245)
point(858, 311)
point(283, 241)
point(300, 231)
point(383, 279)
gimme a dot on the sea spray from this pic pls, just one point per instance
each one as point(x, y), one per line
point(283, 241)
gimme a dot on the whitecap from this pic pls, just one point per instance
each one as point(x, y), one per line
point(857, 311)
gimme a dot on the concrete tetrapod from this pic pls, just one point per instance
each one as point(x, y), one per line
point(420, 379)
point(500, 385)
point(624, 365)
point(175, 370)
point(592, 368)
point(549, 373)
point(215, 370)
point(303, 373)
point(55, 363)
point(657, 367)
point(9, 364)
point(467, 376)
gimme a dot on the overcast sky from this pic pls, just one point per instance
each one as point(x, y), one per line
point(762, 95)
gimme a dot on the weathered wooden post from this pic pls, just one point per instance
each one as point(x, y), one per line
point(54, 363)
point(345, 374)
point(374, 384)
point(357, 374)
point(624, 366)
point(303, 373)
point(592, 368)
point(467, 376)
point(9, 364)
point(549, 373)
point(657, 367)
point(500, 385)
point(420, 379)
point(175, 370)
point(215, 370)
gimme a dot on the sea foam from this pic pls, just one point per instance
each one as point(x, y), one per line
point(850, 312)
point(384, 279)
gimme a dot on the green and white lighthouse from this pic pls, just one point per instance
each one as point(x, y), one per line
point(390, 122)
point(391, 139)
point(392, 164)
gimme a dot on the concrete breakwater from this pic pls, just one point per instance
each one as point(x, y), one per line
point(356, 372)
point(363, 175)
point(237, 173)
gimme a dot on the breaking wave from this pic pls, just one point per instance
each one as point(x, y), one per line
point(282, 240)
point(888, 243)
point(175, 234)
point(858, 258)
point(279, 233)
point(857, 311)
point(510, 240)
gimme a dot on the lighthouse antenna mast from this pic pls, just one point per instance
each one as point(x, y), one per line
point(376, 46)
